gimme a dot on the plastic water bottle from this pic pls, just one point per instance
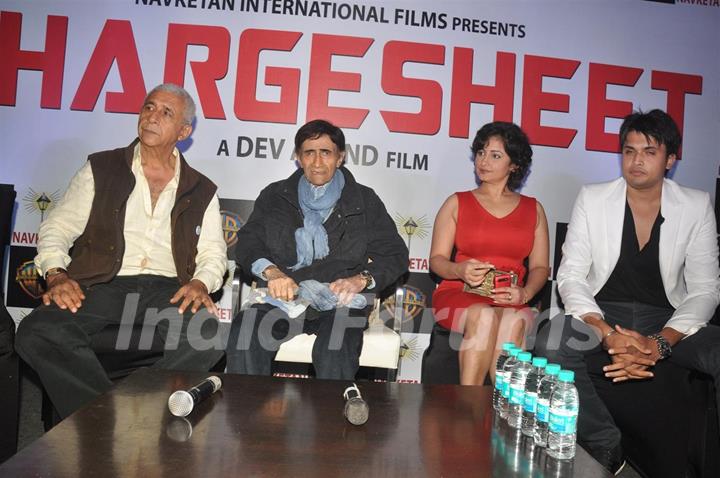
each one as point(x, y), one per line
point(507, 369)
point(532, 383)
point(542, 413)
point(564, 406)
point(500, 373)
point(517, 389)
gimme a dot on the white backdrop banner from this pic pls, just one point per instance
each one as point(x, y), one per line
point(409, 82)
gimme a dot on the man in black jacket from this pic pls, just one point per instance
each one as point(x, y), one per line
point(317, 225)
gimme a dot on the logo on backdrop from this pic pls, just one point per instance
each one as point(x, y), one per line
point(28, 279)
point(699, 3)
point(417, 303)
point(235, 213)
point(41, 202)
point(412, 227)
point(417, 298)
point(410, 349)
point(414, 302)
point(24, 286)
point(231, 224)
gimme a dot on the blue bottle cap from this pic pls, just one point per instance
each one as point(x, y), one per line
point(524, 356)
point(566, 376)
point(508, 346)
point(539, 362)
point(552, 369)
point(514, 352)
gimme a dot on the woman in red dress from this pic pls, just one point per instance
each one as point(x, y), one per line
point(490, 227)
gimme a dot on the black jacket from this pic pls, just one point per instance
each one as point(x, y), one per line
point(359, 228)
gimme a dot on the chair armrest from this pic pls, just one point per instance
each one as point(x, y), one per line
point(238, 291)
point(236, 286)
point(399, 308)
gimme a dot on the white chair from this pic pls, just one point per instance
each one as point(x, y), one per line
point(381, 343)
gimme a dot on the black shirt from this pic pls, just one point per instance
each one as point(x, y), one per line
point(636, 277)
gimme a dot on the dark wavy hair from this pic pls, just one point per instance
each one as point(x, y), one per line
point(655, 124)
point(316, 128)
point(517, 146)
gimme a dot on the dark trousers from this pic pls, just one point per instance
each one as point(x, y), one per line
point(10, 380)
point(575, 346)
point(257, 333)
point(58, 344)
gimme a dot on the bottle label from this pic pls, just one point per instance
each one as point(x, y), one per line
point(543, 410)
point(517, 395)
point(563, 421)
point(506, 388)
point(498, 382)
point(530, 402)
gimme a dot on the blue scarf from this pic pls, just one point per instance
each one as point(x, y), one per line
point(319, 296)
point(316, 204)
point(311, 293)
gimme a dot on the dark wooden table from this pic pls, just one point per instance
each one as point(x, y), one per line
point(261, 426)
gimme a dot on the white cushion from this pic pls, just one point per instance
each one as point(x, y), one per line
point(381, 348)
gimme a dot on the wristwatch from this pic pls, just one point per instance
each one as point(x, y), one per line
point(663, 345)
point(369, 281)
point(54, 271)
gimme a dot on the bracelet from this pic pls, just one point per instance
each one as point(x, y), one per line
point(613, 331)
point(663, 345)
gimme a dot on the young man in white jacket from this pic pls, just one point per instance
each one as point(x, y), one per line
point(638, 279)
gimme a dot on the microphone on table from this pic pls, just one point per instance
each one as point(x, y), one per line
point(182, 402)
point(356, 409)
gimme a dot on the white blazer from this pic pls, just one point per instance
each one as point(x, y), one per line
point(688, 251)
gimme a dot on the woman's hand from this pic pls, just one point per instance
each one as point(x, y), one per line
point(472, 271)
point(513, 295)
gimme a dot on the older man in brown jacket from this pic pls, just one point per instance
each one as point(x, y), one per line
point(138, 231)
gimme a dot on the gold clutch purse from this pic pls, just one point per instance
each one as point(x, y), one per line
point(493, 279)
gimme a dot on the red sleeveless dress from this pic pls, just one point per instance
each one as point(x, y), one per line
point(504, 242)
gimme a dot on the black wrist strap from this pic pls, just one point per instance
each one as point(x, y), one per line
point(663, 345)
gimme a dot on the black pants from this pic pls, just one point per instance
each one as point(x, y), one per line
point(257, 333)
point(575, 346)
point(58, 344)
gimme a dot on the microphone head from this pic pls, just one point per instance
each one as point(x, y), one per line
point(181, 403)
point(357, 411)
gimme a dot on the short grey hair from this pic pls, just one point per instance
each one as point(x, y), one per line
point(189, 113)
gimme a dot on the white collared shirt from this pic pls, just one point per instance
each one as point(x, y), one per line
point(147, 232)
